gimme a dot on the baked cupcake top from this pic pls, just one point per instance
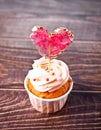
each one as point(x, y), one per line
point(47, 76)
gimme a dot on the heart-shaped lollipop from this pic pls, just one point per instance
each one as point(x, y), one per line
point(51, 45)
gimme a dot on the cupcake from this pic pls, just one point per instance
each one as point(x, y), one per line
point(49, 83)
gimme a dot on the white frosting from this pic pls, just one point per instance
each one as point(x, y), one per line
point(48, 76)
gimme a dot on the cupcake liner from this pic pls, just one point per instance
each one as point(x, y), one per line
point(47, 105)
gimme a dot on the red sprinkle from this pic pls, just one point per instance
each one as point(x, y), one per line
point(34, 79)
point(47, 79)
point(53, 73)
point(47, 68)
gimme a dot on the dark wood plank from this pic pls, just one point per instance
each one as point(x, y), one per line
point(82, 111)
point(21, 28)
point(83, 17)
point(54, 7)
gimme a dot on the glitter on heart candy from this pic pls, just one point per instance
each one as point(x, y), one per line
point(50, 45)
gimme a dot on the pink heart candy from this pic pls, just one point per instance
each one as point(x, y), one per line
point(51, 44)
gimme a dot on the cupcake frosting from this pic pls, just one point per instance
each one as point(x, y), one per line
point(48, 75)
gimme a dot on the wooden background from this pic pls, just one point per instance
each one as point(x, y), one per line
point(83, 108)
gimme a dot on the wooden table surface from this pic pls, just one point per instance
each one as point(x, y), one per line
point(82, 110)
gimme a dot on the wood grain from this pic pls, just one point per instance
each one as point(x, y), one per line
point(79, 111)
point(82, 110)
point(83, 17)
point(21, 28)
